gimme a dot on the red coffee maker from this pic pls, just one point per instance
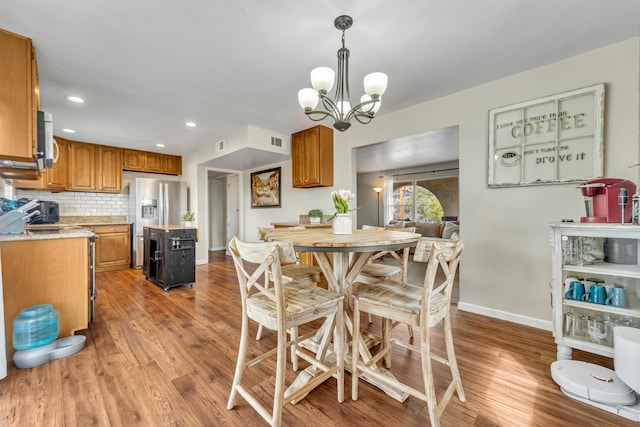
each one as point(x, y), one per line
point(606, 199)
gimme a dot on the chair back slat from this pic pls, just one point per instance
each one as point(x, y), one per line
point(444, 256)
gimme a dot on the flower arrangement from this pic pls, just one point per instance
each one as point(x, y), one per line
point(341, 200)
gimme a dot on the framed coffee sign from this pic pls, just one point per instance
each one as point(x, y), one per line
point(552, 140)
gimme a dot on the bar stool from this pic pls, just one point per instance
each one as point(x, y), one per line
point(283, 307)
point(422, 306)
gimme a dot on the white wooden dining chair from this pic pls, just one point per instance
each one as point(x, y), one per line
point(283, 307)
point(291, 267)
point(423, 306)
point(374, 271)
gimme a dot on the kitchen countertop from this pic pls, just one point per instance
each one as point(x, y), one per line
point(47, 232)
point(93, 220)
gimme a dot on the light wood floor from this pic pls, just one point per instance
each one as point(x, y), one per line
point(156, 358)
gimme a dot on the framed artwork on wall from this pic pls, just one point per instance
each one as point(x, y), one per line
point(552, 140)
point(265, 188)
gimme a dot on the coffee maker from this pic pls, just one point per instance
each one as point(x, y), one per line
point(606, 199)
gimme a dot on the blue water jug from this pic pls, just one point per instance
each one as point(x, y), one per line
point(35, 326)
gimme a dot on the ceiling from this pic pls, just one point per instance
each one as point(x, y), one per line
point(146, 67)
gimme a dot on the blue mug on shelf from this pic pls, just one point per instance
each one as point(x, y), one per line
point(618, 297)
point(575, 291)
point(597, 294)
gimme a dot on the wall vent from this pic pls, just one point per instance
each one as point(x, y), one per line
point(220, 145)
point(276, 142)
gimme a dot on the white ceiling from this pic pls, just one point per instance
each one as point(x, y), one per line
point(145, 67)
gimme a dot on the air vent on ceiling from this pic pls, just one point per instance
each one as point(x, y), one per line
point(276, 142)
point(220, 145)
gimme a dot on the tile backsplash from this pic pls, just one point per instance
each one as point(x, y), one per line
point(76, 203)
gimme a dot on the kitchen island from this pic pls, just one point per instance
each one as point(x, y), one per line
point(170, 255)
point(47, 265)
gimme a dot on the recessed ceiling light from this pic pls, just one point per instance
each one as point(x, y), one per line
point(68, 130)
point(190, 124)
point(75, 99)
point(160, 145)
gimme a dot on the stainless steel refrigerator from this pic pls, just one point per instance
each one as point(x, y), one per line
point(154, 202)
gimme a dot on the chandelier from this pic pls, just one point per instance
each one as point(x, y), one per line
point(322, 79)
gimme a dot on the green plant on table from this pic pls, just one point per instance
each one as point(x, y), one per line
point(315, 213)
point(189, 216)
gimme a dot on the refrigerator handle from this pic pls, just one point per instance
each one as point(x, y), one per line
point(166, 204)
point(161, 207)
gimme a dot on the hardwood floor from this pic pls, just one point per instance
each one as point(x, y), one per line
point(156, 358)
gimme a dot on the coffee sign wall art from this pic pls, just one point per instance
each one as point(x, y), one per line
point(552, 140)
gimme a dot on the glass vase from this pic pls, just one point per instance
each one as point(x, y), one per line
point(342, 224)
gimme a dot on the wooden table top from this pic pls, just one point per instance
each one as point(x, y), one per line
point(323, 240)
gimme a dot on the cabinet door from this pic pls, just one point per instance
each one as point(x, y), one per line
point(113, 250)
point(109, 168)
point(18, 98)
point(133, 160)
point(171, 165)
point(82, 171)
point(312, 157)
point(152, 162)
point(297, 157)
point(58, 176)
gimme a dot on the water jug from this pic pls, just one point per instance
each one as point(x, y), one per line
point(35, 326)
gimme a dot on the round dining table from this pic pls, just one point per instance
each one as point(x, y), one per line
point(349, 254)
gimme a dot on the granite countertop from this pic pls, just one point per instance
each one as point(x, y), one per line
point(48, 232)
point(169, 227)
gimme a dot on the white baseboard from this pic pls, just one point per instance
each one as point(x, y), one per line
point(202, 261)
point(219, 248)
point(504, 315)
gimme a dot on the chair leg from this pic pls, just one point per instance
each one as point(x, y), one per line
point(281, 366)
point(370, 319)
point(387, 328)
point(240, 364)
point(294, 347)
point(355, 350)
point(451, 356)
point(339, 343)
point(427, 377)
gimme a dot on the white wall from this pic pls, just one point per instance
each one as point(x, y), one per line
point(217, 212)
point(506, 268)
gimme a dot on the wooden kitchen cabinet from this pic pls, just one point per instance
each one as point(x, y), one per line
point(82, 167)
point(19, 98)
point(146, 161)
point(113, 247)
point(132, 160)
point(61, 278)
point(152, 162)
point(171, 165)
point(109, 168)
point(312, 157)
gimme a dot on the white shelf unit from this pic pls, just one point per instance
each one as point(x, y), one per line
point(626, 274)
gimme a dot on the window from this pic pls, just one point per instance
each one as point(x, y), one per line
point(413, 202)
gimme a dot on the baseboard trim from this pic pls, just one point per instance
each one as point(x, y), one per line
point(504, 315)
point(202, 261)
point(217, 248)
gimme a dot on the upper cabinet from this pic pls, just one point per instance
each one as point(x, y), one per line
point(82, 167)
point(312, 157)
point(109, 168)
point(171, 165)
point(19, 98)
point(145, 161)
